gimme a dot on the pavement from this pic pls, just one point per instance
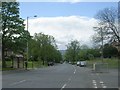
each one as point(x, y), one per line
point(60, 76)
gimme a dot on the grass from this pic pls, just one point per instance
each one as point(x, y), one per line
point(7, 69)
point(35, 64)
point(112, 63)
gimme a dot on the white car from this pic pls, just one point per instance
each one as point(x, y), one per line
point(78, 63)
point(83, 64)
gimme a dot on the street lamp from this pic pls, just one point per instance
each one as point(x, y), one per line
point(102, 42)
point(27, 41)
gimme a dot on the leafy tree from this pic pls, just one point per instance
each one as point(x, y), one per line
point(94, 52)
point(12, 28)
point(72, 51)
point(58, 57)
point(109, 51)
point(83, 55)
point(89, 53)
point(43, 47)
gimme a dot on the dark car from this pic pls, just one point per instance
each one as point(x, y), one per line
point(50, 63)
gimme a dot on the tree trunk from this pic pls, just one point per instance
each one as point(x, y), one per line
point(18, 63)
point(119, 53)
point(3, 55)
point(12, 62)
point(43, 61)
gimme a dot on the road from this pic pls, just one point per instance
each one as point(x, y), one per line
point(60, 76)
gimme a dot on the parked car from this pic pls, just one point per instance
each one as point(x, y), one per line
point(78, 63)
point(81, 63)
point(70, 62)
point(50, 63)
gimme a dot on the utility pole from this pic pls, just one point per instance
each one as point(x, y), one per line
point(28, 43)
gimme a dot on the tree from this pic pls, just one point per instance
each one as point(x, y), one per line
point(72, 51)
point(95, 52)
point(109, 51)
point(87, 53)
point(44, 47)
point(108, 21)
point(83, 54)
point(107, 26)
point(13, 31)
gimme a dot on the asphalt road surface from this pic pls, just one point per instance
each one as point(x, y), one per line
point(60, 76)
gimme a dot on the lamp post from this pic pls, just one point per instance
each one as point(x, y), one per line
point(27, 42)
point(101, 43)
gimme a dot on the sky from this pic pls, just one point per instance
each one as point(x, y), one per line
point(65, 21)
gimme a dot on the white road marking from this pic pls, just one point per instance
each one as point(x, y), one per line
point(69, 78)
point(94, 83)
point(18, 82)
point(101, 82)
point(95, 87)
point(104, 86)
point(63, 86)
point(75, 70)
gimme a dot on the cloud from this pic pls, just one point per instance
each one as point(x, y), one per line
point(64, 29)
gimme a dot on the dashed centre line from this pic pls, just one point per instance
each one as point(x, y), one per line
point(74, 70)
point(68, 79)
point(64, 86)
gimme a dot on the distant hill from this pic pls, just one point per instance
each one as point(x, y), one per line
point(62, 51)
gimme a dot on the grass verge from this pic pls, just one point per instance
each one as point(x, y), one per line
point(31, 65)
point(112, 63)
